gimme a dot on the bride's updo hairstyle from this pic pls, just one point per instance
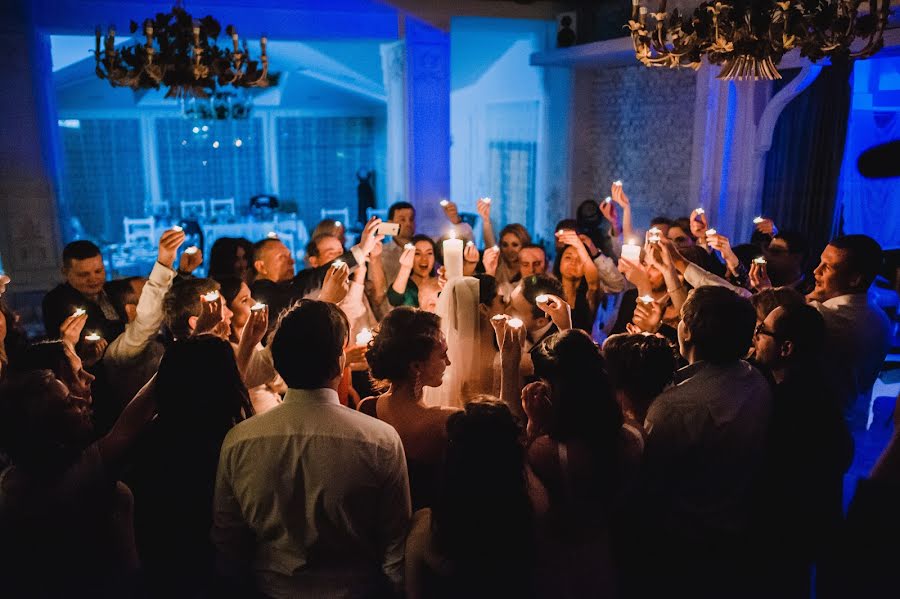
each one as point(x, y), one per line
point(406, 335)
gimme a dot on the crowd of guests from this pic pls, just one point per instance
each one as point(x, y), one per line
point(559, 422)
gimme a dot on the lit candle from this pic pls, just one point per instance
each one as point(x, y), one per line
point(486, 200)
point(93, 337)
point(495, 248)
point(453, 257)
point(211, 296)
point(257, 307)
point(470, 244)
point(409, 246)
point(654, 238)
point(79, 312)
point(542, 299)
point(759, 260)
point(444, 203)
point(700, 211)
point(364, 336)
point(631, 251)
point(272, 235)
point(337, 223)
point(711, 232)
point(515, 323)
point(499, 317)
point(337, 263)
point(655, 231)
point(618, 183)
point(607, 200)
point(646, 299)
point(758, 220)
point(177, 228)
point(192, 250)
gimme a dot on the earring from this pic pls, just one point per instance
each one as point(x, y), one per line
point(417, 385)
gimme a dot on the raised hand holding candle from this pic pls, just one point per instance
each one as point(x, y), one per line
point(759, 260)
point(631, 251)
point(177, 228)
point(192, 250)
point(758, 220)
point(272, 235)
point(646, 299)
point(211, 296)
point(257, 307)
point(364, 336)
point(79, 312)
point(93, 337)
point(453, 257)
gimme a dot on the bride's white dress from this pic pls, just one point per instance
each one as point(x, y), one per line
point(458, 309)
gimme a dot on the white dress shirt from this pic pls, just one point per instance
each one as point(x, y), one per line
point(321, 494)
point(857, 338)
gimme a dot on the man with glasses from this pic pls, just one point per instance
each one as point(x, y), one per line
point(809, 448)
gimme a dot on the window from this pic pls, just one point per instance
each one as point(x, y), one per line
point(318, 159)
point(512, 168)
point(102, 177)
point(206, 160)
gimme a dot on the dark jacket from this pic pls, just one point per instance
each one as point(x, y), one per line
point(62, 301)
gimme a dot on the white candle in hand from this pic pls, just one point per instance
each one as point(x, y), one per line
point(618, 183)
point(453, 257)
point(711, 232)
point(364, 336)
point(514, 323)
point(79, 311)
point(646, 299)
point(409, 246)
point(257, 307)
point(337, 263)
point(758, 220)
point(542, 299)
point(759, 260)
point(272, 235)
point(192, 250)
point(211, 296)
point(631, 251)
point(93, 337)
point(444, 203)
point(177, 228)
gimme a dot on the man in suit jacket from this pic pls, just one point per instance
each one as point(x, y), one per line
point(276, 284)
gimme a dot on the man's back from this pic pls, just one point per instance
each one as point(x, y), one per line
point(706, 438)
point(324, 491)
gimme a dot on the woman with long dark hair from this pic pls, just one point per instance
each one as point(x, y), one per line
point(230, 256)
point(580, 280)
point(478, 538)
point(582, 455)
point(200, 397)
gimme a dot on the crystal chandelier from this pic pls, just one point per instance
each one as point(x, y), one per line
point(221, 106)
point(749, 37)
point(180, 54)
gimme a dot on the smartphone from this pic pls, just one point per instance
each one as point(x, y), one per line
point(390, 229)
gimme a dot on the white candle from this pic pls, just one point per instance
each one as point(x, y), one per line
point(211, 296)
point(337, 223)
point(257, 307)
point(444, 203)
point(499, 317)
point(608, 200)
point(93, 337)
point(758, 220)
point(79, 311)
point(453, 257)
point(542, 299)
point(409, 246)
point(486, 200)
point(514, 323)
point(654, 238)
point(272, 235)
point(337, 263)
point(177, 228)
point(364, 336)
point(192, 250)
point(700, 211)
point(711, 232)
point(618, 183)
point(655, 231)
point(470, 244)
point(759, 260)
point(646, 299)
point(631, 252)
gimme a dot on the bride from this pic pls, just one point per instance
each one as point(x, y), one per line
point(458, 307)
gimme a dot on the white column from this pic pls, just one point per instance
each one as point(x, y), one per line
point(393, 66)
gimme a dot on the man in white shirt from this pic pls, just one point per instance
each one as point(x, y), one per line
point(312, 495)
point(857, 332)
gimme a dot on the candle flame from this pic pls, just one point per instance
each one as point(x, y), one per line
point(515, 323)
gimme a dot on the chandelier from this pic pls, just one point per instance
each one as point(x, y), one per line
point(749, 37)
point(179, 54)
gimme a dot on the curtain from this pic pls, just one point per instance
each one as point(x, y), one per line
point(803, 166)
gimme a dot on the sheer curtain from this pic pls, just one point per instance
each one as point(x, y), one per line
point(803, 166)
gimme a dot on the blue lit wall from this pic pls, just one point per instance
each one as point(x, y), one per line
point(872, 206)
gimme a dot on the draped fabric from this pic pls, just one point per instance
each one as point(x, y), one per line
point(803, 166)
point(870, 206)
